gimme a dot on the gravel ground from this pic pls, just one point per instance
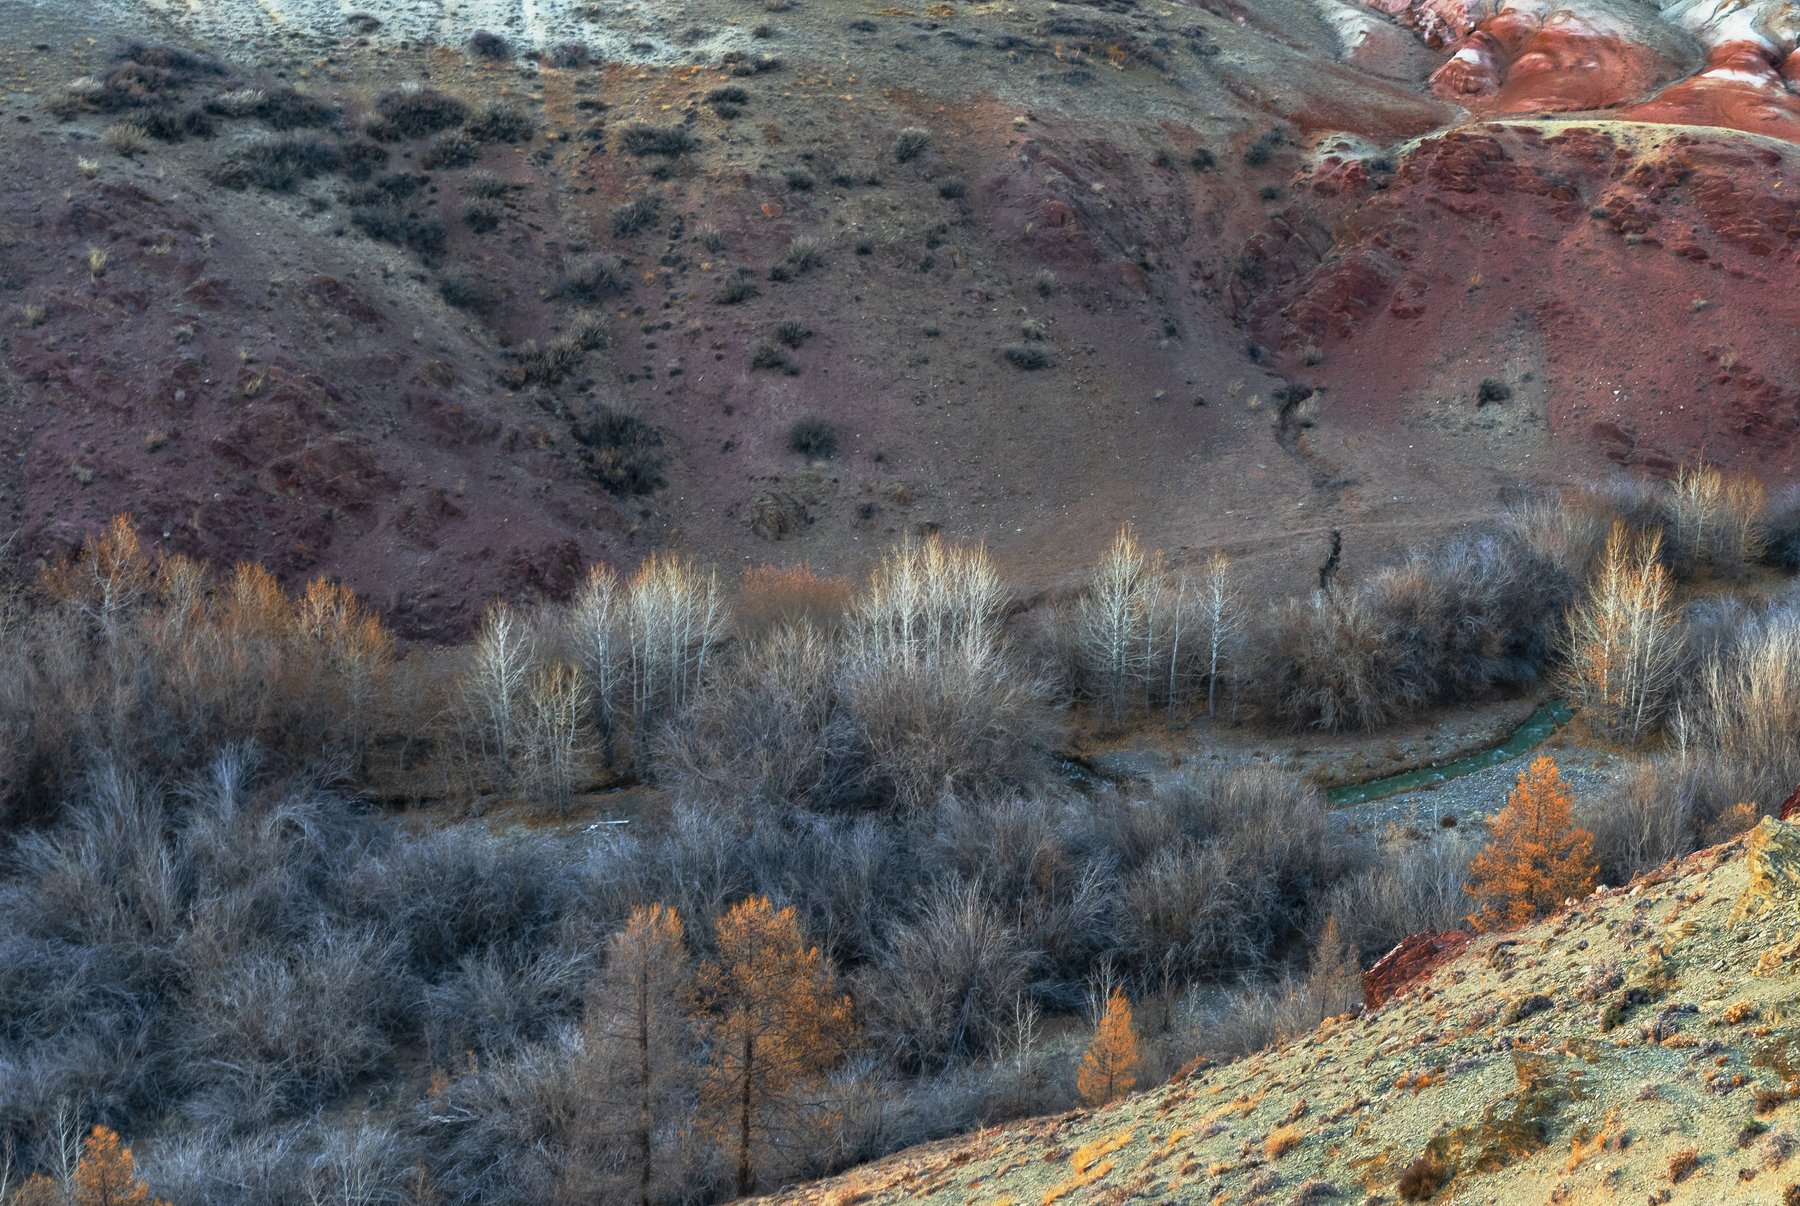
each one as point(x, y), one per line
point(1473, 797)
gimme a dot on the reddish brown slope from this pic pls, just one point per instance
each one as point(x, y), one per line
point(1627, 283)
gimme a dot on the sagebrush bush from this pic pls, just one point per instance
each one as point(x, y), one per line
point(142, 76)
point(280, 164)
point(286, 108)
point(593, 280)
point(736, 289)
point(1026, 355)
point(570, 56)
point(627, 453)
point(126, 138)
point(414, 111)
point(484, 44)
point(913, 142)
point(632, 216)
point(670, 142)
point(401, 227)
point(500, 122)
point(453, 150)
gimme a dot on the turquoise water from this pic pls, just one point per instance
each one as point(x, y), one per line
point(1528, 736)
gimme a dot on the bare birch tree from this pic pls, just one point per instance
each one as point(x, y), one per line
point(495, 689)
point(1624, 639)
point(594, 628)
point(1222, 619)
point(675, 617)
point(553, 740)
point(1114, 622)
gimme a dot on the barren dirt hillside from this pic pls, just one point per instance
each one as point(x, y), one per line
point(1638, 1045)
point(784, 281)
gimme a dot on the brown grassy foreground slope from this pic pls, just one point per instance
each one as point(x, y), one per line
point(1642, 1043)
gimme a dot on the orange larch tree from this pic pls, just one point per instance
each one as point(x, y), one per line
point(636, 1077)
point(1535, 857)
point(107, 1175)
point(1109, 1068)
point(776, 1024)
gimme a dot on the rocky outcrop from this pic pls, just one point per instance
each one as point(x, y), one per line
point(1415, 956)
point(1772, 856)
point(1685, 63)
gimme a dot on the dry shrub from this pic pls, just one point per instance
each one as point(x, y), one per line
point(413, 111)
point(771, 732)
point(1682, 1165)
point(1422, 1179)
point(961, 722)
point(945, 986)
point(1282, 1140)
point(1569, 528)
point(1221, 866)
point(1411, 885)
point(1462, 621)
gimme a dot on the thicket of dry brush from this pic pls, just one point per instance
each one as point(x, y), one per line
point(280, 994)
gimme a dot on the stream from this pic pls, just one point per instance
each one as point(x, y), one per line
point(1528, 736)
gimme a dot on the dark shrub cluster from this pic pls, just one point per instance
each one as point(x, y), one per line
point(1476, 615)
point(142, 76)
point(414, 112)
point(1263, 149)
point(728, 101)
point(400, 226)
point(285, 108)
point(484, 44)
point(280, 164)
point(500, 122)
point(1028, 356)
point(814, 438)
point(627, 453)
point(570, 56)
point(667, 141)
point(594, 280)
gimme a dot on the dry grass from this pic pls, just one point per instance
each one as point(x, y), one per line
point(1282, 1140)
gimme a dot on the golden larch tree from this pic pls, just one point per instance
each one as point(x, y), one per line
point(1109, 1067)
point(1535, 857)
point(1334, 974)
point(776, 1024)
point(637, 1041)
point(106, 1175)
